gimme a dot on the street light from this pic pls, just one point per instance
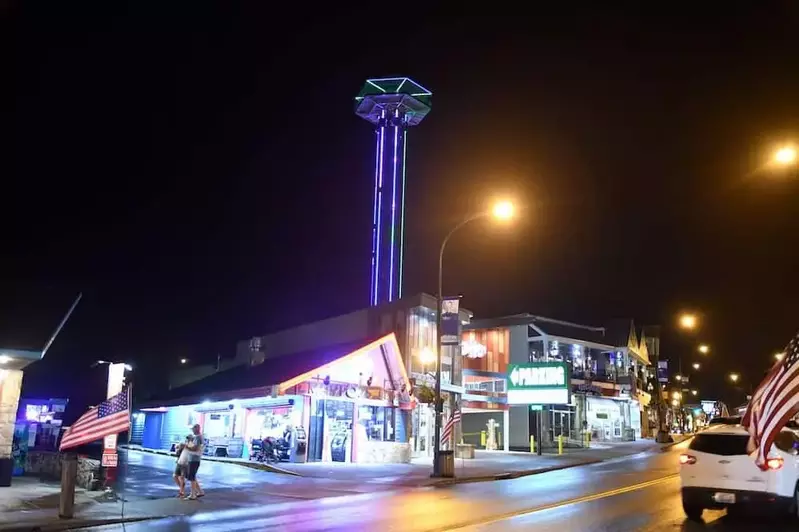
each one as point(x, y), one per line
point(688, 321)
point(696, 365)
point(734, 377)
point(502, 211)
point(678, 377)
point(694, 392)
point(676, 395)
point(779, 356)
point(184, 360)
point(675, 403)
point(704, 349)
point(785, 156)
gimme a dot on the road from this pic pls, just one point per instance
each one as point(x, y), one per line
point(640, 492)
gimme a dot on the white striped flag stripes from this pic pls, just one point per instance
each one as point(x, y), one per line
point(775, 401)
point(449, 428)
point(112, 416)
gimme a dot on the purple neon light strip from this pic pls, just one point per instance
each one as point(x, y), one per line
point(402, 212)
point(379, 210)
point(393, 214)
point(372, 292)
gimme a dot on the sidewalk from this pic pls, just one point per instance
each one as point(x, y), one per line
point(487, 465)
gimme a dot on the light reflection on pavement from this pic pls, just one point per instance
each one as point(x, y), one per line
point(589, 498)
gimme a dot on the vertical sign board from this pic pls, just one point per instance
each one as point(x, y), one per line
point(450, 324)
point(663, 371)
point(539, 383)
point(116, 380)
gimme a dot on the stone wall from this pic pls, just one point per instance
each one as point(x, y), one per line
point(47, 464)
point(10, 384)
point(384, 452)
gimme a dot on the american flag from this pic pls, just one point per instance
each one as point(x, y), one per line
point(111, 417)
point(775, 401)
point(449, 428)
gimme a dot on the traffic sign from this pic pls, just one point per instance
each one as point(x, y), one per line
point(110, 460)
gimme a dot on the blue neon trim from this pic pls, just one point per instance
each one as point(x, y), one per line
point(393, 214)
point(372, 292)
point(402, 215)
point(379, 212)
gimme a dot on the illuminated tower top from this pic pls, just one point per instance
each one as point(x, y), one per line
point(392, 105)
point(385, 96)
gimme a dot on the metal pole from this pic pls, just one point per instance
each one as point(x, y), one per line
point(438, 405)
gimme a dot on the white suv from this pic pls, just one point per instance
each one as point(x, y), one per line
point(716, 472)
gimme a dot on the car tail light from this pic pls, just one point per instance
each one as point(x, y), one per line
point(774, 463)
point(687, 459)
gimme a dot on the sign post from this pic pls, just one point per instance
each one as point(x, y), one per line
point(110, 459)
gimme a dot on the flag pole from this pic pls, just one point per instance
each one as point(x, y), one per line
point(127, 456)
point(61, 325)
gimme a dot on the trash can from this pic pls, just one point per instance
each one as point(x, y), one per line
point(446, 463)
point(6, 468)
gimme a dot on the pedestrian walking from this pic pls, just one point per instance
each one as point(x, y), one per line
point(195, 453)
point(181, 464)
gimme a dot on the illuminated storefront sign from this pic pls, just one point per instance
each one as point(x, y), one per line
point(544, 383)
point(473, 349)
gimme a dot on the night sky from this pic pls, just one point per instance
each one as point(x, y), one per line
point(199, 174)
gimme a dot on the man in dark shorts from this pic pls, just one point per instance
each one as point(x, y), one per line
point(195, 450)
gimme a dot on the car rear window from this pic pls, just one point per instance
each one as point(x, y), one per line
point(721, 444)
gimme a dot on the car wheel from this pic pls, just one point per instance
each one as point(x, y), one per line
point(692, 510)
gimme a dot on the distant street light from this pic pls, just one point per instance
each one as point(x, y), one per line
point(676, 395)
point(694, 392)
point(502, 211)
point(779, 356)
point(184, 360)
point(696, 365)
point(785, 156)
point(734, 377)
point(678, 377)
point(704, 349)
point(688, 321)
point(675, 403)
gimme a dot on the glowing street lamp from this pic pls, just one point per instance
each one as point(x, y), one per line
point(675, 403)
point(785, 156)
point(184, 360)
point(676, 395)
point(704, 349)
point(678, 377)
point(779, 356)
point(694, 392)
point(696, 365)
point(427, 356)
point(501, 211)
point(734, 377)
point(688, 321)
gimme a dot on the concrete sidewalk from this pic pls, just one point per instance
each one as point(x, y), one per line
point(486, 465)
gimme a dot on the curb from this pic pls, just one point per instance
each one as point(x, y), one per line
point(72, 524)
point(260, 466)
point(510, 475)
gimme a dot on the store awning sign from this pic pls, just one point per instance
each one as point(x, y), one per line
point(544, 383)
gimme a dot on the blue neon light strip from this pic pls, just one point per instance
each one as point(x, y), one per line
point(372, 292)
point(402, 215)
point(393, 213)
point(379, 209)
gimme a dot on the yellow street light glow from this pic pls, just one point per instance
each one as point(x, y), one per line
point(688, 321)
point(694, 392)
point(676, 395)
point(704, 349)
point(779, 356)
point(785, 155)
point(427, 356)
point(678, 377)
point(734, 377)
point(675, 403)
point(696, 365)
point(503, 210)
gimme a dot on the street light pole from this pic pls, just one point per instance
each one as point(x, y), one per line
point(502, 211)
point(438, 402)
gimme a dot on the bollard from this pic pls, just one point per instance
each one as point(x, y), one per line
point(69, 475)
point(587, 439)
point(532, 443)
point(483, 438)
point(560, 443)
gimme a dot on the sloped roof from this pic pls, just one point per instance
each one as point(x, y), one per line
point(271, 372)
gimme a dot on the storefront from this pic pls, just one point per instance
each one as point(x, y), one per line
point(343, 404)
